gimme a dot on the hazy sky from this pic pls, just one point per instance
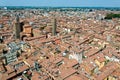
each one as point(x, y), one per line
point(74, 3)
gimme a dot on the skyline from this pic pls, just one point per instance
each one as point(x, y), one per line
point(65, 3)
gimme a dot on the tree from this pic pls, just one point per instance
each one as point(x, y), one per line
point(112, 15)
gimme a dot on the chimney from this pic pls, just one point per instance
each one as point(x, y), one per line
point(54, 27)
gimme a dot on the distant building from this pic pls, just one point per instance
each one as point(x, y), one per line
point(27, 31)
point(1, 25)
point(11, 57)
point(5, 8)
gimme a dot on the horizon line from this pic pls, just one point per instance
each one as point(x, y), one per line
point(67, 6)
